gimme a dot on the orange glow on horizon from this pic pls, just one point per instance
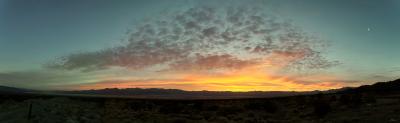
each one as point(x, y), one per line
point(223, 83)
point(247, 79)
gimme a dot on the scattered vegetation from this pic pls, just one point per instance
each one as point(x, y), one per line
point(366, 105)
point(341, 108)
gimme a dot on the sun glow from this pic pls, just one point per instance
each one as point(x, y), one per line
point(253, 78)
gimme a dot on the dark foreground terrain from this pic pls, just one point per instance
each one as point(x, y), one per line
point(367, 104)
point(347, 108)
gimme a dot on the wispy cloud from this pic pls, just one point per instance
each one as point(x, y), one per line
point(207, 48)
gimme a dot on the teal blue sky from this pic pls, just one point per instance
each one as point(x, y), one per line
point(363, 35)
point(345, 24)
point(36, 31)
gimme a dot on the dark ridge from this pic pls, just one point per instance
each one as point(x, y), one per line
point(13, 90)
point(182, 94)
point(379, 87)
point(127, 91)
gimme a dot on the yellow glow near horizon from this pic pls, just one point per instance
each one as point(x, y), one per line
point(226, 83)
point(248, 79)
point(264, 76)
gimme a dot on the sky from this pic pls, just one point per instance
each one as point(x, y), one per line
point(224, 45)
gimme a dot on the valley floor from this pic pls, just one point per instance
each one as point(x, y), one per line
point(320, 108)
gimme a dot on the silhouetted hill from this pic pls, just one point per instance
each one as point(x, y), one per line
point(182, 94)
point(379, 87)
point(13, 90)
point(129, 91)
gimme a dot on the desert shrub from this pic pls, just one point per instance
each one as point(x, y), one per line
point(356, 99)
point(198, 105)
point(344, 99)
point(319, 95)
point(353, 100)
point(268, 106)
point(141, 105)
point(253, 105)
point(333, 98)
point(254, 120)
point(271, 106)
point(221, 119)
point(321, 108)
point(195, 117)
point(207, 115)
point(172, 108)
point(210, 107)
point(229, 110)
point(370, 99)
point(300, 100)
point(251, 114)
point(179, 120)
point(117, 111)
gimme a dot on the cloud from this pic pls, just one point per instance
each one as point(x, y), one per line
point(210, 62)
point(89, 61)
point(206, 38)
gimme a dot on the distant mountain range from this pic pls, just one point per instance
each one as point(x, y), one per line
point(379, 87)
point(13, 90)
point(176, 93)
point(158, 93)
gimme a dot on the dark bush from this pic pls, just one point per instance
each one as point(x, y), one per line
point(319, 95)
point(268, 106)
point(230, 109)
point(172, 108)
point(300, 100)
point(207, 115)
point(140, 105)
point(333, 98)
point(253, 105)
point(198, 105)
point(344, 99)
point(370, 99)
point(321, 108)
point(210, 107)
point(179, 120)
point(356, 99)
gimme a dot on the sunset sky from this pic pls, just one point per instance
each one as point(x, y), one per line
point(216, 45)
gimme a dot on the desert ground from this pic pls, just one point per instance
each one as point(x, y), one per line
point(317, 108)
